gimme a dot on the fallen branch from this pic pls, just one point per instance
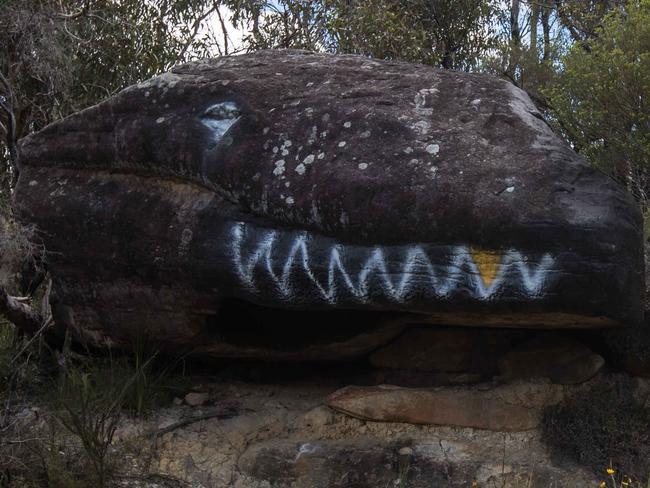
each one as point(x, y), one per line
point(220, 414)
point(20, 314)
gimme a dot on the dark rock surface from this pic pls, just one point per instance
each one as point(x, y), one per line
point(559, 359)
point(446, 350)
point(307, 181)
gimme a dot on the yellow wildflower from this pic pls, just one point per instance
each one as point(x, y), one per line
point(602, 485)
point(610, 471)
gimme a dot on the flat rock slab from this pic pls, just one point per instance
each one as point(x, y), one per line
point(369, 463)
point(308, 181)
point(509, 407)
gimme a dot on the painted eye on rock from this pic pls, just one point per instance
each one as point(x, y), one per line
point(219, 118)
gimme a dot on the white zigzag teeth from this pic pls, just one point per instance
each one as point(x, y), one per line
point(395, 273)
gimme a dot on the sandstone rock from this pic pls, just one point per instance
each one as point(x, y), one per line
point(323, 464)
point(196, 399)
point(510, 407)
point(447, 350)
point(308, 181)
point(562, 360)
point(422, 379)
point(413, 463)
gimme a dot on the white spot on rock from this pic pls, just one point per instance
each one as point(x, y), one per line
point(433, 148)
point(347, 125)
point(279, 167)
point(422, 127)
point(312, 135)
point(342, 144)
point(160, 120)
point(321, 155)
point(266, 130)
point(309, 159)
point(300, 169)
point(289, 200)
point(510, 189)
point(365, 134)
point(33, 183)
point(423, 98)
point(363, 165)
point(408, 150)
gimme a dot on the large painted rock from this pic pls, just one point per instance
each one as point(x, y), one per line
point(303, 181)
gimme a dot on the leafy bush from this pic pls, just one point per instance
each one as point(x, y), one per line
point(605, 427)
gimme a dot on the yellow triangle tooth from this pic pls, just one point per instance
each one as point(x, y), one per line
point(488, 264)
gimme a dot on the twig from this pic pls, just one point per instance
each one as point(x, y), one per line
point(46, 323)
point(191, 420)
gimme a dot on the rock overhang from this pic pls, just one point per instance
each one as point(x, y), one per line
point(340, 181)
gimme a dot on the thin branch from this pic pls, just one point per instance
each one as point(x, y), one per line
point(194, 29)
point(223, 29)
point(220, 414)
point(75, 15)
point(8, 105)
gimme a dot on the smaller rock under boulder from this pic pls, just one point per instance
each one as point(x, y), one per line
point(509, 407)
point(562, 360)
point(448, 350)
point(196, 399)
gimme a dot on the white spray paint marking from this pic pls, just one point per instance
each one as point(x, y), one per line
point(219, 118)
point(416, 272)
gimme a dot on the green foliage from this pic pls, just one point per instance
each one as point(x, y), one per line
point(601, 99)
point(85, 397)
point(60, 57)
point(608, 426)
point(449, 34)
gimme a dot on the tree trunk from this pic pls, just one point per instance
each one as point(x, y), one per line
point(534, 20)
point(546, 14)
point(514, 23)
